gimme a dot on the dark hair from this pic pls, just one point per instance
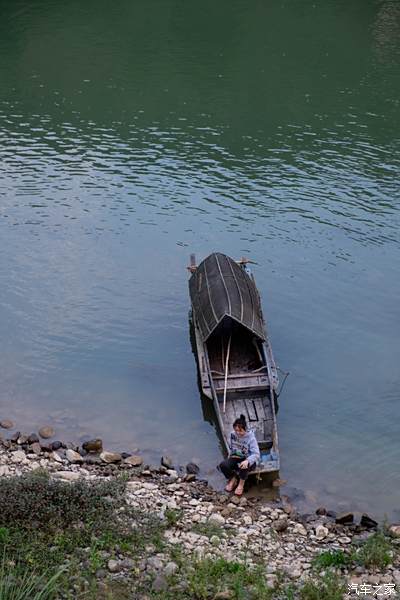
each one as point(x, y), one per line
point(241, 422)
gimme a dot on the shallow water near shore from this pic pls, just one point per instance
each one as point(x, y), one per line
point(134, 134)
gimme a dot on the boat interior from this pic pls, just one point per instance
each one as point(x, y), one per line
point(243, 350)
point(247, 389)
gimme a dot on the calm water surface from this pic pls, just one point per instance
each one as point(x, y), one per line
point(133, 134)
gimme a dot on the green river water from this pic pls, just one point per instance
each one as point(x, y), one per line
point(136, 132)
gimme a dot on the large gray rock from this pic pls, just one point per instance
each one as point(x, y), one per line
point(73, 457)
point(18, 457)
point(110, 457)
point(367, 522)
point(166, 462)
point(321, 532)
point(345, 518)
point(134, 461)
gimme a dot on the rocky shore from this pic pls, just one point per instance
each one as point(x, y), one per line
point(200, 527)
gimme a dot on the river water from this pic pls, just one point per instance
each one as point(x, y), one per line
point(134, 133)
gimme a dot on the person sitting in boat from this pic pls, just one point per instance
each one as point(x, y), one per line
point(243, 456)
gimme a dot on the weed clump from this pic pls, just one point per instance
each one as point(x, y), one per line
point(376, 552)
point(331, 558)
point(328, 587)
point(34, 501)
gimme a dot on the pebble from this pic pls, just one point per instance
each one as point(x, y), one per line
point(344, 540)
point(66, 475)
point(299, 528)
point(4, 470)
point(18, 457)
point(395, 530)
point(224, 595)
point(114, 566)
point(46, 432)
point(160, 583)
point(321, 532)
point(110, 457)
point(281, 525)
point(55, 456)
point(216, 519)
point(170, 568)
point(35, 448)
point(6, 424)
point(127, 564)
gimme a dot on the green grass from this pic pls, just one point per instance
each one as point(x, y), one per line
point(205, 578)
point(376, 552)
point(21, 583)
point(208, 529)
point(173, 516)
point(329, 587)
point(330, 558)
point(44, 523)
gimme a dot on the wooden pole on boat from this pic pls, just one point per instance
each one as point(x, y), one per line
point(226, 369)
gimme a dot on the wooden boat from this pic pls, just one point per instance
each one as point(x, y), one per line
point(235, 361)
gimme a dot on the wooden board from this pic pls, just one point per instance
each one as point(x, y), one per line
point(256, 409)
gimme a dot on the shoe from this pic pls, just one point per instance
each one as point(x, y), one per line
point(231, 485)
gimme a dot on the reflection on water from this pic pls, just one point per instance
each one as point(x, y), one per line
point(133, 135)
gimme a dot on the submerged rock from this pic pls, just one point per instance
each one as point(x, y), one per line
point(321, 511)
point(6, 424)
point(56, 445)
point(192, 469)
point(46, 432)
point(95, 445)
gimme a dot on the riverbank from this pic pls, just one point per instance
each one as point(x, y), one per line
point(108, 526)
